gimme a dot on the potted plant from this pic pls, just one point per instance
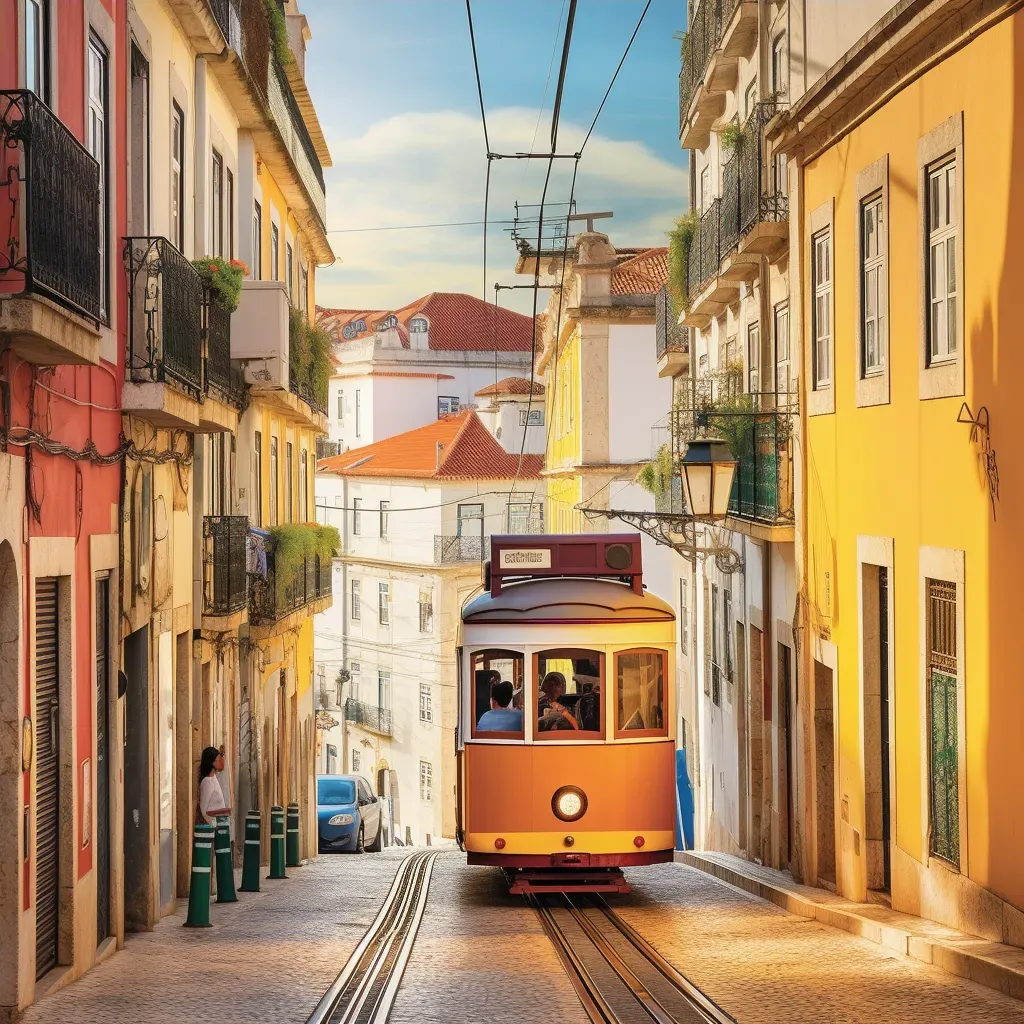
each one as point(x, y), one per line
point(222, 279)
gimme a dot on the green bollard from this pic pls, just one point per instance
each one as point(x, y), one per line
point(199, 887)
point(225, 872)
point(292, 840)
point(277, 843)
point(251, 854)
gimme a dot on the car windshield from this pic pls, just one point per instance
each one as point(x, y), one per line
point(334, 792)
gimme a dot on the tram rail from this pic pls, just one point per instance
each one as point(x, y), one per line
point(617, 974)
point(365, 990)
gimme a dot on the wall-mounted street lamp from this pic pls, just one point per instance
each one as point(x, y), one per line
point(707, 472)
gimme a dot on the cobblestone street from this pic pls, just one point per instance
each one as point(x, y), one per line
point(482, 955)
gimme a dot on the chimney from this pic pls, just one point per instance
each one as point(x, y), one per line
point(440, 449)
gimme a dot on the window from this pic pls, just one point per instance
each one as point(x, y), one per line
point(641, 692)
point(289, 271)
point(356, 762)
point(303, 289)
point(426, 703)
point(355, 668)
point(383, 689)
point(716, 648)
point(303, 486)
point(684, 614)
point(525, 517)
point(355, 606)
point(257, 479)
point(447, 405)
point(750, 99)
point(229, 212)
point(942, 260)
point(497, 694)
point(341, 405)
point(426, 612)
point(257, 242)
point(821, 277)
point(216, 476)
point(780, 85)
point(570, 684)
point(705, 187)
point(471, 520)
point(357, 516)
point(943, 724)
point(531, 417)
point(729, 632)
point(359, 414)
point(217, 205)
point(288, 481)
point(37, 48)
point(97, 144)
point(384, 604)
point(177, 177)
point(418, 325)
point(384, 506)
point(782, 375)
point(426, 781)
point(754, 358)
point(872, 286)
point(273, 481)
point(275, 253)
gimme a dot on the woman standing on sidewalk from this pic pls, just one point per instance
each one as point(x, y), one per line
point(211, 804)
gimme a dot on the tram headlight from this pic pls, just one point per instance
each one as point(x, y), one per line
point(569, 803)
point(341, 819)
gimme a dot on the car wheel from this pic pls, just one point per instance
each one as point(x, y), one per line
point(360, 840)
point(377, 845)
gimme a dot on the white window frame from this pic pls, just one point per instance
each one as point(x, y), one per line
point(177, 176)
point(39, 82)
point(359, 413)
point(357, 517)
point(384, 507)
point(426, 609)
point(426, 702)
point(447, 405)
point(256, 270)
point(943, 225)
point(355, 604)
point(821, 308)
point(356, 762)
point(874, 327)
point(531, 417)
point(383, 604)
point(275, 252)
point(98, 144)
point(684, 614)
point(754, 358)
point(426, 781)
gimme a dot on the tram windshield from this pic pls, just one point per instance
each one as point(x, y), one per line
point(641, 678)
point(498, 694)
point(570, 682)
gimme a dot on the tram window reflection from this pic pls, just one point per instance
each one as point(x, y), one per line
point(498, 694)
point(641, 679)
point(570, 682)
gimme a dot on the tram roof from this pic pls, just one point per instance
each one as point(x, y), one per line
point(567, 599)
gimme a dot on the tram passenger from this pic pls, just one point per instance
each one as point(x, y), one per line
point(501, 717)
point(588, 708)
point(551, 714)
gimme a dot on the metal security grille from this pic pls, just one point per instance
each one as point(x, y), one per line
point(942, 712)
point(102, 766)
point(47, 776)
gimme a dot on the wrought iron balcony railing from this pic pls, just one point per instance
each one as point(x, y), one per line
point(287, 588)
point(669, 335)
point(225, 582)
point(218, 346)
point(704, 254)
point(50, 198)
point(760, 198)
point(469, 548)
point(326, 449)
point(301, 383)
point(700, 42)
point(369, 716)
point(165, 315)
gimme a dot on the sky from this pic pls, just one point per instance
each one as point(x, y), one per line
point(394, 88)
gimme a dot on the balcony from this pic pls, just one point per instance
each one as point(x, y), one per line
point(451, 549)
point(709, 292)
point(763, 206)
point(295, 585)
point(368, 716)
point(326, 449)
point(225, 582)
point(224, 387)
point(51, 285)
point(672, 342)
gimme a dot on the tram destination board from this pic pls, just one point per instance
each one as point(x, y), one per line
point(589, 555)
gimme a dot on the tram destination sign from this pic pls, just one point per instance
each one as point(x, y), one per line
point(525, 558)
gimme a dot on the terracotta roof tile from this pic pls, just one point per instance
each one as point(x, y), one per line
point(469, 452)
point(510, 386)
point(641, 275)
point(458, 323)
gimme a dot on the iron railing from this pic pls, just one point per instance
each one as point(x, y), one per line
point(465, 548)
point(219, 372)
point(165, 314)
point(729, 222)
point(54, 236)
point(300, 583)
point(704, 255)
point(326, 449)
point(369, 716)
point(669, 336)
point(300, 382)
point(225, 583)
point(701, 40)
point(758, 196)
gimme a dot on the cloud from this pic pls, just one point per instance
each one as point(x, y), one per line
point(427, 168)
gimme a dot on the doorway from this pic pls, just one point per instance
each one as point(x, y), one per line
point(824, 750)
point(786, 774)
point(137, 775)
point(12, 852)
point(758, 833)
point(741, 727)
point(102, 759)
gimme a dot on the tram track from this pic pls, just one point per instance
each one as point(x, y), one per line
point(619, 976)
point(365, 990)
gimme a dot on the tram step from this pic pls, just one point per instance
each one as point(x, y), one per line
point(527, 881)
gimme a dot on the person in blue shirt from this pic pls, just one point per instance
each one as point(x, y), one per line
point(501, 717)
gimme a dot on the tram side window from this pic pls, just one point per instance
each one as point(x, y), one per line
point(570, 682)
point(641, 679)
point(498, 694)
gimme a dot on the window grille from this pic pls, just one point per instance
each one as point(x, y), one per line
point(943, 722)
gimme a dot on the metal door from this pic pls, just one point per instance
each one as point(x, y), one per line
point(47, 714)
point(102, 766)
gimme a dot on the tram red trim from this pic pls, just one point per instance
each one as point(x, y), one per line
point(595, 860)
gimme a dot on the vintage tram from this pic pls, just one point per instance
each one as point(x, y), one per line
point(565, 742)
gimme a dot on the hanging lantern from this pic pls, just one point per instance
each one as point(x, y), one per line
point(707, 472)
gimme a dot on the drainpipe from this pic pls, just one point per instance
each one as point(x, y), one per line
point(199, 154)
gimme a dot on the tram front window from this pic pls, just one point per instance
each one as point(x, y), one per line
point(570, 682)
point(641, 678)
point(498, 694)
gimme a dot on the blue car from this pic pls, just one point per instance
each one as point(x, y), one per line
point(348, 814)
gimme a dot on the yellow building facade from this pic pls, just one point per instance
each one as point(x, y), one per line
point(906, 203)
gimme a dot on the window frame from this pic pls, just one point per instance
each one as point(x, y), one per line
point(754, 357)
point(274, 481)
point(385, 507)
point(944, 238)
point(229, 211)
point(289, 489)
point(426, 702)
point(41, 51)
point(256, 270)
point(822, 302)
point(359, 413)
point(780, 312)
point(357, 517)
point(304, 485)
point(216, 203)
point(873, 264)
point(426, 782)
point(289, 271)
point(568, 735)
point(684, 614)
point(821, 398)
point(355, 607)
point(666, 714)
point(503, 734)
point(98, 114)
point(275, 252)
point(531, 417)
point(447, 400)
point(177, 154)
point(384, 603)
point(257, 511)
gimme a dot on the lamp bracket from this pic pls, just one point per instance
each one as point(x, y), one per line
point(980, 434)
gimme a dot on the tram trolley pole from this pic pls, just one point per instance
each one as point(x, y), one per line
point(199, 885)
point(251, 854)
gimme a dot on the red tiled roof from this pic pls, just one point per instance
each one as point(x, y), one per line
point(400, 373)
point(458, 323)
point(641, 275)
point(469, 452)
point(510, 386)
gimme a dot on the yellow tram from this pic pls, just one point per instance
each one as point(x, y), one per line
point(566, 738)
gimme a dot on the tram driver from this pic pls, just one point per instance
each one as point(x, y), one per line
point(502, 717)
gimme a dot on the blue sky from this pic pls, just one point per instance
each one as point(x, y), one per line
point(394, 89)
